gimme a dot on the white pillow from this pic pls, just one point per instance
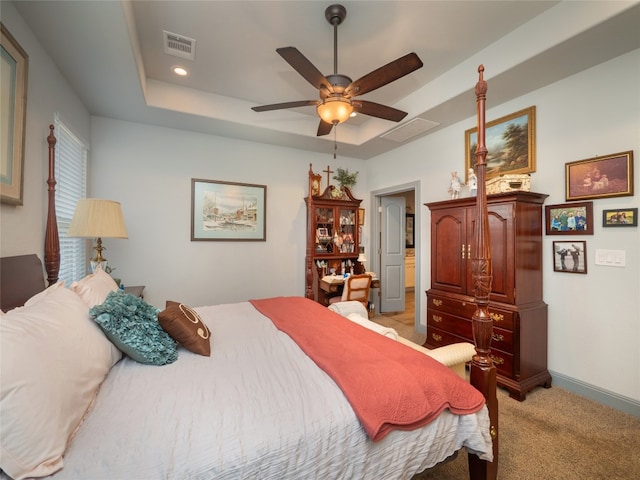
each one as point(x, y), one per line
point(347, 308)
point(94, 288)
point(54, 358)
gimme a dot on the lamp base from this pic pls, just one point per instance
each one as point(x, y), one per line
point(102, 264)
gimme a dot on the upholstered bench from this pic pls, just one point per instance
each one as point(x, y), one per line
point(454, 356)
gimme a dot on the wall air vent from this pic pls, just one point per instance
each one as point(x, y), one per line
point(179, 45)
point(409, 130)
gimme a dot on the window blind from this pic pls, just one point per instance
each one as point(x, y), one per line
point(71, 176)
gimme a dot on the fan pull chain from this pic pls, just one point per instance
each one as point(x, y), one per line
point(335, 141)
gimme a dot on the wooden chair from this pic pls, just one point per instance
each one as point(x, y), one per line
point(356, 287)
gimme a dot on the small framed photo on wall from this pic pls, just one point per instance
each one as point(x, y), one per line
point(622, 217)
point(570, 256)
point(569, 218)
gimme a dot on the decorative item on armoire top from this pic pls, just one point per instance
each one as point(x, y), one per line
point(600, 177)
point(455, 185)
point(511, 141)
point(570, 257)
point(622, 217)
point(228, 211)
point(510, 182)
point(569, 218)
point(472, 182)
point(14, 63)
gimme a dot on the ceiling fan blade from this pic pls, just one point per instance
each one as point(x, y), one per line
point(386, 74)
point(324, 128)
point(304, 67)
point(376, 110)
point(280, 106)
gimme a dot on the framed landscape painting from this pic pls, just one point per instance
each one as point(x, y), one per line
point(228, 210)
point(14, 63)
point(511, 144)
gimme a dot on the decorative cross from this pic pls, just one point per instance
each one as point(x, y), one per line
point(328, 172)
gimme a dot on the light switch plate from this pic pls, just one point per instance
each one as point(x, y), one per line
point(611, 258)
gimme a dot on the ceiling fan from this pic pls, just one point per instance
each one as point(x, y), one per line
point(337, 91)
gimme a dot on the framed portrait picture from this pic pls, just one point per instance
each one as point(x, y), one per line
point(569, 218)
point(410, 233)
point(228, 210)
point(600, 177)
point(511, 144)
point(323, 233)
point(622, 217)
point(570, 256)
point(14, 63)
point(361, 216)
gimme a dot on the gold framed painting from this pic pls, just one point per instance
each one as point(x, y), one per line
point(600, 177)
point(511, 144)
point(13, 107)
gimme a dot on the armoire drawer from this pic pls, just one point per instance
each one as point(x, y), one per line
point(466, 308)
point(440, 338)
point(503, 362)
point(501, 339)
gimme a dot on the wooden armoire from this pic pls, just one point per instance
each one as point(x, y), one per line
point(519, 314)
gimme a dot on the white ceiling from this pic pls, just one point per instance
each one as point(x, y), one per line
point(111, 52)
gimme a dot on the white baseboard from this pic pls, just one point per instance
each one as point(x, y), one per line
point(597, 394)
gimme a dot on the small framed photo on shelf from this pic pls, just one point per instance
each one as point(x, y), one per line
point(570, 256)
point(600, 177)
point(569, 218)
point(623, 217)
point(323, 233)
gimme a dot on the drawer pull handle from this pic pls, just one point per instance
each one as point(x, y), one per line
point(463, 251)
point(497, 360)
point(469, 251)
point(436, 337)
point(436, 318)
point(437, 302)
point(496, 317)
point(497, 337)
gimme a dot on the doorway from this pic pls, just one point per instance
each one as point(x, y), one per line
point(405, 282)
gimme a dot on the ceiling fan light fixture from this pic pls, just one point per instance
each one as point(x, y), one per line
point(335, 110)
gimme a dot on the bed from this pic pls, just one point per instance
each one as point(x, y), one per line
point(287, 389)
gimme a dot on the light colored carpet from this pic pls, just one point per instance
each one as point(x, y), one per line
point(554, 434)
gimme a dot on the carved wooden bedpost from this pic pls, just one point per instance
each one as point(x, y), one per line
point(308, 264)
point(51, 240)
point(483, 371)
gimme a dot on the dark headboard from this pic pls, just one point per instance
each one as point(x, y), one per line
point(21, 277)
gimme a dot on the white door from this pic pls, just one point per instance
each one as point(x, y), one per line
point(392, 243)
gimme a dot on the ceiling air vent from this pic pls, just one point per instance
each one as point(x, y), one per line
point(179, 45)
point(409, 130)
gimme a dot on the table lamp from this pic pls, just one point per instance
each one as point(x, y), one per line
point(361, 260)
point(96, 218)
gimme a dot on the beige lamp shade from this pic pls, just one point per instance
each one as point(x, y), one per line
point(96, 218)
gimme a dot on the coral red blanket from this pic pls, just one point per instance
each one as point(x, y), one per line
point(389, 385)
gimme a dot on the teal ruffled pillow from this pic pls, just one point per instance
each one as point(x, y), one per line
point(132, 325)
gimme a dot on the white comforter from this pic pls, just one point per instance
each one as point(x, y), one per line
point(258, 408)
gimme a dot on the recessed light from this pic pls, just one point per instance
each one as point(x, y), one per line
point(180, 71)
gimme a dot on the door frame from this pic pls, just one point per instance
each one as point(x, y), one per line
point(374, 256)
